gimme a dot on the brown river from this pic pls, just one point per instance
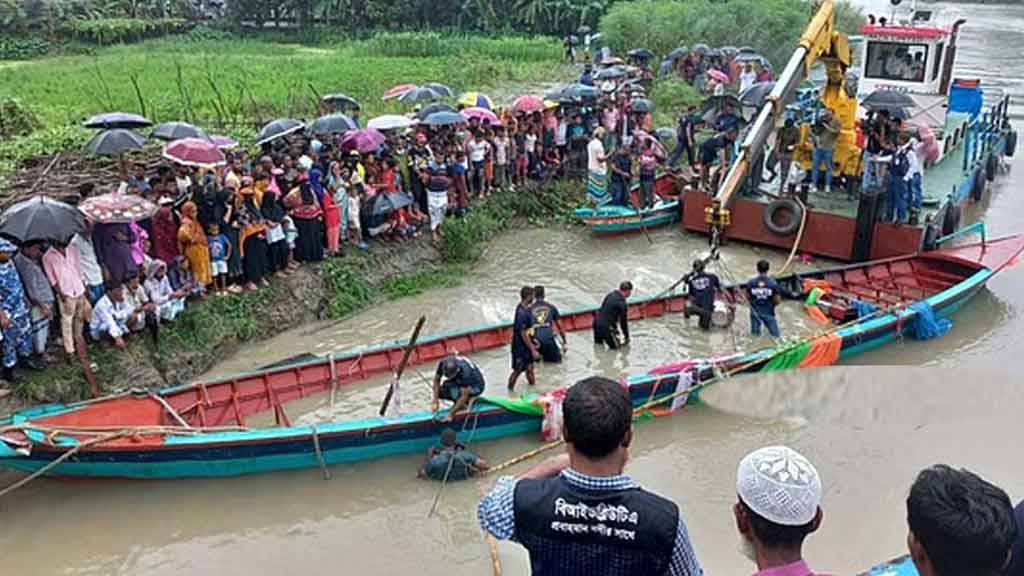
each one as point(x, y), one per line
point(868, 425)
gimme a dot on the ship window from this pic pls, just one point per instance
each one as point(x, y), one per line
point(938, 60)
point(896, 61)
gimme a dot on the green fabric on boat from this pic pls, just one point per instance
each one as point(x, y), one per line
point(790, 358)
point(524, 405)
point(812, 296)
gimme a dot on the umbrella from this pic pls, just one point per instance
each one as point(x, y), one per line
point(678, 53)
point(176, 131)
point(340, 101)
point(527, 103)
point(640, 53)
point(749, 57)
point(117, 208)
point(118, 120)
point(641, 105)
point(443, 118)
point(610, 73)
point(420, 94)
point(477, 99)
point(895, 112)
point(389, 122)
point(115, 142)
point(278, 128)
point(482, 114)
point(715, 53)
point(729, 50)
point(746, 49)
point(666, 133)
point(441, 89)
point(644, 136)
point(194, 152)
point(364, 140)
point(579, 92)
point(435, 107)
point(883, 98)
point(41, 218)
point(701, 49)
point(755, 94)
point(224, 142)
point(391, 201)
point(396, 91)
point(718, 75)
point(332, 124)
point(612, 61)
point(583, 30)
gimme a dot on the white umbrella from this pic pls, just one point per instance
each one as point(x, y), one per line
point(390, 122)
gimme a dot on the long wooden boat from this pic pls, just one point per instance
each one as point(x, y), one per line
point(173, 433)
point(608, 220)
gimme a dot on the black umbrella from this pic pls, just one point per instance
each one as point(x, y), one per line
point(442, 89)
point(641, 105)
point(332, 124)
point(115, 142)
point(729, 50)
point(666, 133)
point(41, 218)
point(640, 53)
point(277, 128)
point(755, 94)
point(746, 49)
point(420, 94)
point(176, 131)
point(701, 49)
point(435, 107)
point(610, 73)
point(125, 120)
point(895, 112)
point(340, 101)
point(391, 201)
point(749, 57)
point(715, 53)
point(574, 92)
point(678, 53)
point(883, 98)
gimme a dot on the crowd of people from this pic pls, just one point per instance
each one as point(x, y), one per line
point(580, 513)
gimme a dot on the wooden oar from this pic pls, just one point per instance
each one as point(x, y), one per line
point(401, 365)
point(639, 213)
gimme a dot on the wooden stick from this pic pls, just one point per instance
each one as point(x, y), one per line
point(334, 380)
point(401, 365)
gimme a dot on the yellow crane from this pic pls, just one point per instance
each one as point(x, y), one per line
point(820, 42)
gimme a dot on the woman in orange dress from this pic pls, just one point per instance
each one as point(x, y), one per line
point(192, 243)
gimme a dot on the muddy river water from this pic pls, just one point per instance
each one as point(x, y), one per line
point(868, 424)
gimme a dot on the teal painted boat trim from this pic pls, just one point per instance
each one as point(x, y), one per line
point(903, 566)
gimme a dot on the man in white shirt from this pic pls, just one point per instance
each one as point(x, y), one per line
point(111, 315)
point(748, 77)
point(92, 273)
point(597, 168)
point(914, 177)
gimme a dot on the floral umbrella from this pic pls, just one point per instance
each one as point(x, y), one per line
point(117, 208)
point(398, 91)
point(527, 104)
point(364, 140)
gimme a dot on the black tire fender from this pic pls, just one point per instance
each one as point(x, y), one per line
point(1011, 143)
point(991, 167)
point(789, 227)
point(950, 219)
point(978, 184)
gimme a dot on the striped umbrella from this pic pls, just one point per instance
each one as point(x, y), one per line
point(476, 100)
point(398, 91)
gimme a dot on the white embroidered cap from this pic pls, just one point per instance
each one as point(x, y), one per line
point(780, 485)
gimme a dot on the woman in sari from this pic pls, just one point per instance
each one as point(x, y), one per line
point(252, 238)
point(308, 219)
point(273, 217)
point(192, 244)
point(165, 235)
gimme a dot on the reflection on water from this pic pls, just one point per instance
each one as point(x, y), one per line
point(867, 429)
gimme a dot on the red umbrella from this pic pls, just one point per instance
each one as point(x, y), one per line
point(719, 76)
point(397, 91)
point(363, 140)
point(117, 208)
point(194, 152)
point(527, 104)
point(482, 114)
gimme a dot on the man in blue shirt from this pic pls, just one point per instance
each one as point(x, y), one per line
point(763, 296)
point(587, 78)
point(578, 514)
point(701, 288)
point(524, 351)
point(545, 317)
point(463, 381)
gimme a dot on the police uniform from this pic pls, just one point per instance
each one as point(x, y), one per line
point(522, 358)
point(544, 317)
point(701, 288)
point(468, 375)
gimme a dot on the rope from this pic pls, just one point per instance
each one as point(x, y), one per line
point(56, 462)
point(744, 299)
point(799, 236)
point(451, 461)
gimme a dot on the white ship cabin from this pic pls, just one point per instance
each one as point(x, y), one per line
point(912, 54)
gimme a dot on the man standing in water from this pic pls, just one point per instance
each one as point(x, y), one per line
point(701, 288)
point(578, 514)
point(958, 524)
point(463, 381)
point(545, 317)
point(524, 352)
point(613, 313)
point(779, 493)
point(763, 297)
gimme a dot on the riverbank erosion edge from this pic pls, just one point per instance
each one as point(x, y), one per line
point(218, 326)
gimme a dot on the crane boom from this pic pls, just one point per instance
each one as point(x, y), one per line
point(818, 40)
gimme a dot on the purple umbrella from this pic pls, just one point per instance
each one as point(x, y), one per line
point(223, 142)
point(364, 140)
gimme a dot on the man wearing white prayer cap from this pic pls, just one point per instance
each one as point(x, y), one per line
point(779, 495)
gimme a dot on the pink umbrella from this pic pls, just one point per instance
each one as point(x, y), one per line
point(719, 76)
point(364, 140)
point(528, 103)
point(482, 114)
point(397, 91)
point(194, 152)
point(223, 142)
point(117, 208)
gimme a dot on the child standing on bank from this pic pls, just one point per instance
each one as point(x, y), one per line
point(220, 251)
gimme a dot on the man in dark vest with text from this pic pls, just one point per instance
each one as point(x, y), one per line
point(578, 514)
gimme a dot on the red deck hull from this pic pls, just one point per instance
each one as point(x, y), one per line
point(825, 234)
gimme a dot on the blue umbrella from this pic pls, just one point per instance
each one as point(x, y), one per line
point(443, 119)
point(420, 94)
point(435, 107)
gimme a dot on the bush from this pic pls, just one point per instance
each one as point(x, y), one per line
point(349, 290)
point(670, 96)
point(22, 47)
point(16, 119)
point(111, 30)
point(769, 26)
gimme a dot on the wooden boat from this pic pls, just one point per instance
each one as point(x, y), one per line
point(610, 219)
point(175, 432)
point(902, 566)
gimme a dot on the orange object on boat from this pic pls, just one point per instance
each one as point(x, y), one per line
point(817, 315)
point(824, 351)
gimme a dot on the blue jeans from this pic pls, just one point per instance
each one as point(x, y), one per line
point(897, 197)
point(822, 155)
point(916, 193)
point(769, 322)
point(871, 169)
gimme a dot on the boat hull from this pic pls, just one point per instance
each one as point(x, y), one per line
point(619, 220)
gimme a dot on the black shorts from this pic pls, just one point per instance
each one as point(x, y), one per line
point(602, 335)
point(521, 360)
point(550, 351)
point(453, 391)
point(704, 315)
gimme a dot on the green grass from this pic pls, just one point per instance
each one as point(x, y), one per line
point(445, 276)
